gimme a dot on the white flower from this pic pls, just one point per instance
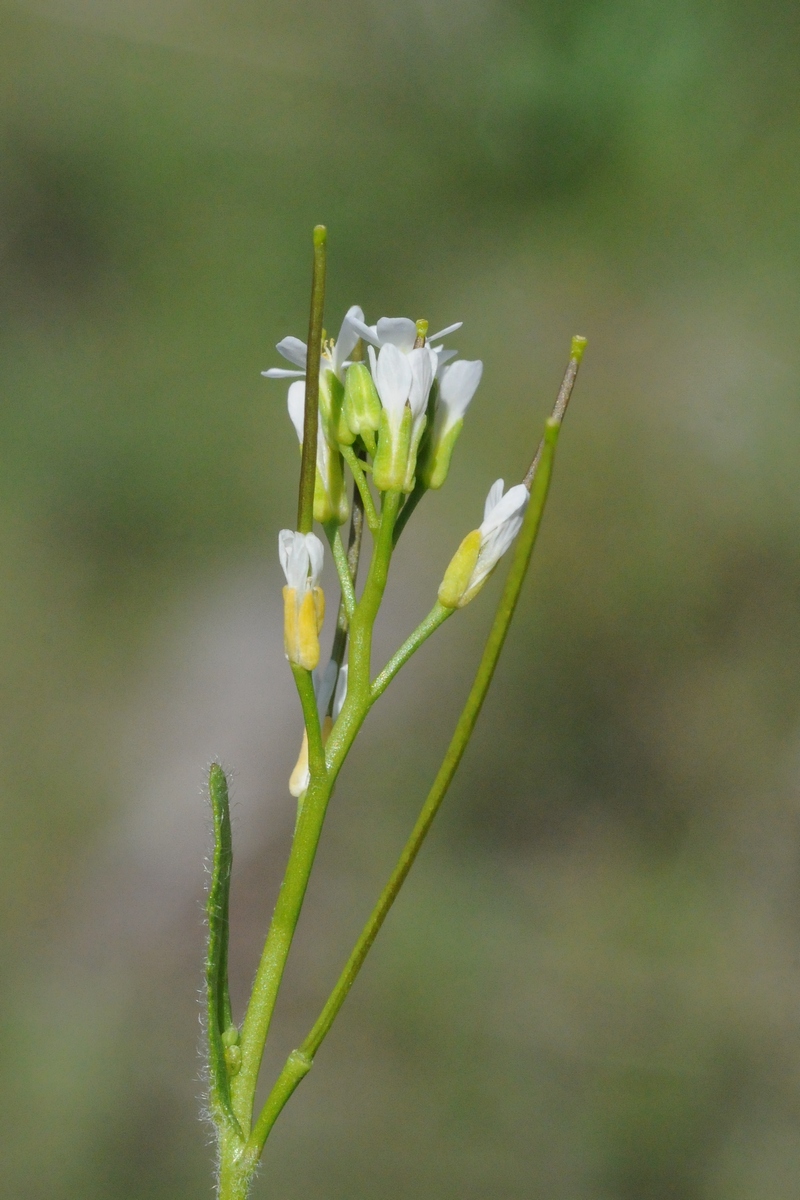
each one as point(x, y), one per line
point(301, 556)
point(402, 333)
point(458, 383)
point(324, 684)
point(334, 354)
point(400, 377)
point(502, 520)
point(330, 494)
point(481, 550)
point(403, 382)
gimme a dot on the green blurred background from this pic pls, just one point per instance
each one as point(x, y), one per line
point(589, 989)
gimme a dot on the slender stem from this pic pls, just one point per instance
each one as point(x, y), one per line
point(308, 701)
point(308, 464)
point(342, 563)
point(562, 400)
point(362, 483)
point(353, 555)
point(358, 680)
point(436, 617)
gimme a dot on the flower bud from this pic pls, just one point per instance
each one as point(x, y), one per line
point(303, 600)
point(481, 550)
point(362, 404)
point(458, 385)
point(459, 571)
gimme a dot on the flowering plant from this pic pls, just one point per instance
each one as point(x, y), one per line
point(396, 419)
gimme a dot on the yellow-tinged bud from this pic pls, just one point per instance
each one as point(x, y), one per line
point(302, 621)
point(459, 571)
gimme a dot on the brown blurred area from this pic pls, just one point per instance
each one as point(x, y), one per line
point(589, 987)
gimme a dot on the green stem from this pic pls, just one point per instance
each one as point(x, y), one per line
point(362, 483)
point(311, 816)
point(308, 701)
point(342, 563)
point(436, 617)
point(308, 464)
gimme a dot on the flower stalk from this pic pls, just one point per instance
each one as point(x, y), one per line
point(415, 403)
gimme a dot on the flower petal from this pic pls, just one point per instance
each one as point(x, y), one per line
point(348, 336)
point(444, 332)
point(458, 385)
point(281, 373)
point(296, 403)
point(368, 332)
point(324, 683)
point(340, 695)
point(393, 379)
point(316, 554)
point(422, 362)
point(397, 331)
point(293, 349)
point(494, 498)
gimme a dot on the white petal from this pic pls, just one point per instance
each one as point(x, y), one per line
point(281, 373)
point(285, 543)
point(297, 407)
point(293, 554)
point(368, 332)
point(373, 361)
point(397, 331)
point(393, 379)
point(324, 683)
point(444, 332)
point(422, 373)
point(316, 554)
point(458, 385)
point(348, 336)
point(293, 349)
point(341, 692)
point(512, 505)
point(442, 356)
point(494, 498)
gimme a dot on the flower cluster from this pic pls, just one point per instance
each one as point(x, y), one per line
point(405, 409)
point(399, 413)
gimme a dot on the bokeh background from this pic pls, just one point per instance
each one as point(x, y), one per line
point(589, 988)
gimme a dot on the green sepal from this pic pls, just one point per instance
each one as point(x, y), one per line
point(332, 408)
point(437, 461)
point(411, 466)
point(330, 496)
point(362, 404)
point(391, 457)
point(218, 1004)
